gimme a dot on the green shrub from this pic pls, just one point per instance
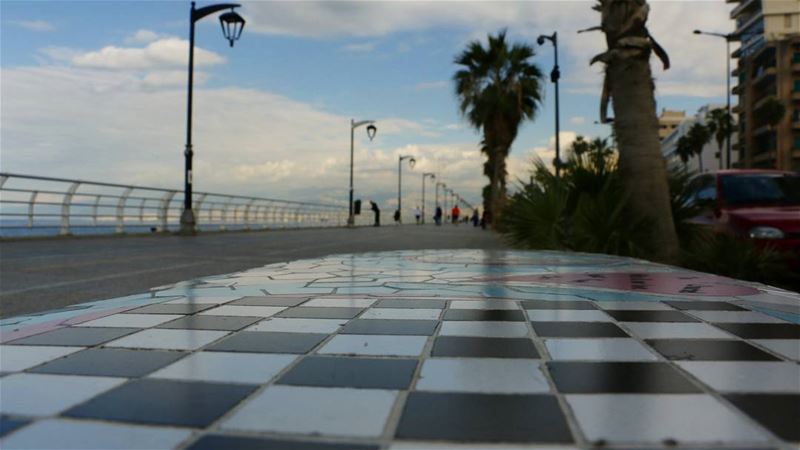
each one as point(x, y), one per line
point(735, 257)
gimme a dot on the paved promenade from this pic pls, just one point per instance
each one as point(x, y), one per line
point(460, 349)
point(38, 275)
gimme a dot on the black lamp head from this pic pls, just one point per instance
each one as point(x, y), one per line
point(371, 130)
point(232, 25)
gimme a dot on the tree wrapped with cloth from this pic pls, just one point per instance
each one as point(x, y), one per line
point(629, 82)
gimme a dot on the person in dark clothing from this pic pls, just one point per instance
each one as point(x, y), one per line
point(377, 211)
point(397, 217)
point(486, 219)
point(475, 218)
point(437, 217)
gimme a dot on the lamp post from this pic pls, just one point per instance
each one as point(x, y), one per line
point(371, 130)
point(232, 25)
point(411, 162)
point(728, 38)
point(433, 177)
point(437, 191)
point(555, 74)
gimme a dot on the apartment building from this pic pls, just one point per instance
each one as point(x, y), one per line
point(712, 157)
point(668, 121)
point(768, 69)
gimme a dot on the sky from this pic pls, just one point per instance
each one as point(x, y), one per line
point(96, 90)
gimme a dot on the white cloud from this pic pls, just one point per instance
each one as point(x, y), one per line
point(142, 37)
point(360, 47)
point(35, 25)
point(577, 120)
point(163, 53)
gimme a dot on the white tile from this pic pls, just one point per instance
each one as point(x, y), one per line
point(131, 320)
point(487, 375)
point(318, 411)
point(477, 304)
point(31, 394)
point(788, 348)
point(341, 302)
point(356, 344)
point(568, 315)
point(84, 435)
point(244, 311)
point(734, 317)
point(203, 300)
point(16, 358)
point(226, 367)
point(483, 329)
point(675, 330)
point(168, 339)
point(288, 325)
point(636, 306)
point(655, 418)
point(614, 349)
point(401, 313)
point(746, 376)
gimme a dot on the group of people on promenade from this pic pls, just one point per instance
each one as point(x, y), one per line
point(438, 218)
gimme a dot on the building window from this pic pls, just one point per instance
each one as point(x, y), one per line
point(787, 21)
point(797, 85)
point(796, 57)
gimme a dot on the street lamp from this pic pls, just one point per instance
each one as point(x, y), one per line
point(411, 163)
point(728, 38)
point(232, 25)
point(555, 74)
point(371, 130)
point(433, 177)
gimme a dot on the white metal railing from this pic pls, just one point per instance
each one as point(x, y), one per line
point(35, 206)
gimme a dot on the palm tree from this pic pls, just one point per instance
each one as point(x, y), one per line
point(693, 142)
point(720, 124)
point(629, 81)
point(684, 150)
point(772, 112)
point(498, 87)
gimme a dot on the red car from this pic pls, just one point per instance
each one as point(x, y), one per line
point(760, 204)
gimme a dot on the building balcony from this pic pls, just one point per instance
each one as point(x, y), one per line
point(764, 129)
point(767, 73)
point(743, 6)
point(743, 25)
point(761, 102)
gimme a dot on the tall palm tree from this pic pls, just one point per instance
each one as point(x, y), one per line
point(629, 81)
point(720, 124)
point(498, 87)
point(693, 142)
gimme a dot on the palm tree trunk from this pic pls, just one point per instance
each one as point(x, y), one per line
point(640, 161)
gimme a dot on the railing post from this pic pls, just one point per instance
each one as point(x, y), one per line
point(65, 204)
point(224, 215)
point(198, 206)
point(31, 204)
point(247, 213)
point(163, 209)
point(123, 200)
point(97, 199)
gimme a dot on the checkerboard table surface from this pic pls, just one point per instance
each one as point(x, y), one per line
point(273, 358)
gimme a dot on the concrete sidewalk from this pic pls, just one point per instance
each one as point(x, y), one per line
point(37, 275)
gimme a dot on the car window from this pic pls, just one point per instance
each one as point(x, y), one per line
point(761, 189)
point(703, 189)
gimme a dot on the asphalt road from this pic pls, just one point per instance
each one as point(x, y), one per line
point(43, 274)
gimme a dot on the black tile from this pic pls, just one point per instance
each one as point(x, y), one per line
point(484, 315)
point(780, 413)
point(650, 316)
point(708, 350)
point(269, 301)
point(578, 329)
point(259, 342)
point(483, 417)
point(203, 322)
point(218, 442)
point(390, 326)
point(762, 330)
point(698, 305)
point(165, 402)
point(409, 303)
point(478, 347)
point(312, 312)
point(544, 304)
point(352, 372)
point(7, 425)
point(111, 362)
point(618, 377)
point(77, 336)
point(177, 308)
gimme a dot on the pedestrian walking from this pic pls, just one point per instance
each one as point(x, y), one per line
point(475, 218)
point(437, 217)
point(455, 212)
point(377, 211)
point(397, 217)
point(417, 214)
